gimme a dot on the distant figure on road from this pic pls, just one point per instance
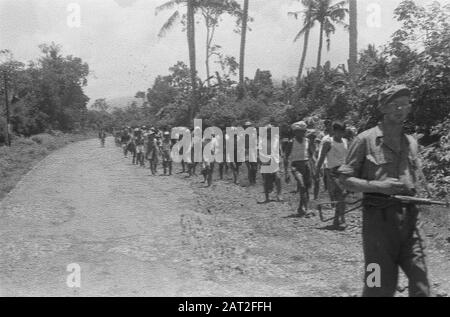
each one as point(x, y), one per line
point(138, 158)
point(102, 137)
point(124, 140)
point(166, 153)
point(151, 150)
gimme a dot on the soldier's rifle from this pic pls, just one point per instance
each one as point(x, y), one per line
point(396, 198)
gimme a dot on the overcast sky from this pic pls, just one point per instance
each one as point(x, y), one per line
point(118, 38)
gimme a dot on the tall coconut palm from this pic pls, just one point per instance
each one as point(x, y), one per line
point(308, 24)
point(327, 15)
point(174, 18)
point(192, 57)
point(243, 44)
point(190, 31)
point(353, 33)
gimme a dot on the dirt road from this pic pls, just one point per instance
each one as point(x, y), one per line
point(137, 235)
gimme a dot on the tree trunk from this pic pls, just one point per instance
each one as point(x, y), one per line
point(192, 58)
point(243, 44)
point(208, 49)
point(319, 55)
point(8, 136)
point(302, 62)
point(353, 33)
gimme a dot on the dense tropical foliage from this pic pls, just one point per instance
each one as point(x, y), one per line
point(45, 94)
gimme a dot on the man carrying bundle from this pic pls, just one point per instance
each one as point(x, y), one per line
point(298, 157)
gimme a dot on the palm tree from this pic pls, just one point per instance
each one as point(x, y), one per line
point(328, 15)
point(243, 44)
point(192, 57)
point(190, 30)
point(308, 24)
point(175, 17)
point(353, 31)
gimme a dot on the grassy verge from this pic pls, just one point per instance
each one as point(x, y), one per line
point(25, 153)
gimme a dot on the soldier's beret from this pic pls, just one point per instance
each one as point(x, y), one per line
point(390, 94)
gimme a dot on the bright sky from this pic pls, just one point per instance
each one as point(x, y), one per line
point(118, 38)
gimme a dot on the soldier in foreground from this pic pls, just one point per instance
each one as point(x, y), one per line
point(383, 162)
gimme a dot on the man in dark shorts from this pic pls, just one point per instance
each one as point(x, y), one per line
point(224, 164)
point(151, 151)
point(233, 159)
point(102, 137)
point(125, 138)
point(335, 151)
point(271, 159)
point(250, 159)
point(298, 157)
point(166, 153)
point(140, 142)
point(191, 163)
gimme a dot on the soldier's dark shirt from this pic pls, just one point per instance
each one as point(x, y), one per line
point(372, 158)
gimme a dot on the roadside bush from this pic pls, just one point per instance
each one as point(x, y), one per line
point(24, 142)
point(436, 159)
point(43, 138)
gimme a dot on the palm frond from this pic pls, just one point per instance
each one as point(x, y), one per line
point(295, 14)
point(168, 5)
point(339, 14)
point(306, 27)
point(341, 4)
point(169, 24)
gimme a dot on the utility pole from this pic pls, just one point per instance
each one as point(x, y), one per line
point(8, 137)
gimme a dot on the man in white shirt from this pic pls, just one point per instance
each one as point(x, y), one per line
point(335, 151)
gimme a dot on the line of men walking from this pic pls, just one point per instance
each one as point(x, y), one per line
point(147, 144)
point(379, 163)
point(306, 154)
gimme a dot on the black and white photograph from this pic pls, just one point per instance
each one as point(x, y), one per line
point(246, 150)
